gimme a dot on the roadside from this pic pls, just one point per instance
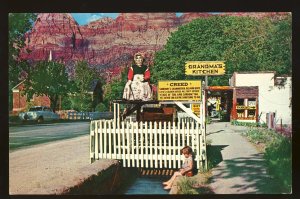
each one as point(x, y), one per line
point(242, 169)
point(53, 168)
point(17, 122)
point(56, 167)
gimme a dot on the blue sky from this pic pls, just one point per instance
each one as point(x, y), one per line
point(85, 18)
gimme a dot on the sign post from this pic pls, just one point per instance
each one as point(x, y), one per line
point(205, 68)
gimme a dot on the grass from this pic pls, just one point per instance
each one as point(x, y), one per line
point(185, 186)
point(194, 185)
point(279, 159)
point(250, 124)
point(261, 135)
point(277, 153)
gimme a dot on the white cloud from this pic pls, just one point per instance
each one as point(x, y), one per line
point(85, 18)
point(94, 17)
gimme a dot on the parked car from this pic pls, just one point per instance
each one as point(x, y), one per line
point(39, 114)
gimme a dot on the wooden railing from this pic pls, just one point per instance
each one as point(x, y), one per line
point(146, 144)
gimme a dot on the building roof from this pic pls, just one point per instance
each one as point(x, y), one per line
point(94, 84)
point(260, 72)
point(254, 72)
point(219, 88)
point(15, 87)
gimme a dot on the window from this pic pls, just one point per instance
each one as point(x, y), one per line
point(38, 108)
point(239, 102)
point(240, 113)
point(251, 113)
point(252, 102)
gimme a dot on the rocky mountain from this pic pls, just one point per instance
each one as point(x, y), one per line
point(107, 44)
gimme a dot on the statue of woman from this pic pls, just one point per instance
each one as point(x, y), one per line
point(137, 86)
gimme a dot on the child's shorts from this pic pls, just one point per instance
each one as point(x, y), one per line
point(189, 174)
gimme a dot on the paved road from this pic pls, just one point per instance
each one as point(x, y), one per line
point(53, 168)
point(242, 169)
point(28, 135)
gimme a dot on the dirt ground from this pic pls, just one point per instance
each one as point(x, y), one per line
point(52, 168)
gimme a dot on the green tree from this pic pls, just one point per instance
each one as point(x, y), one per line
point(81, 102)
point(279, 47)
point(114, 90)
point(48, 78)
point(18, 25)
point(84, 75)
point(242, 42)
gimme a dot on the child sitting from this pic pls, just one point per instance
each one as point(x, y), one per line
point(186, 168)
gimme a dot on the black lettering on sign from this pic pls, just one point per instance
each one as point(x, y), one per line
point(212, 71)
point(178, 84)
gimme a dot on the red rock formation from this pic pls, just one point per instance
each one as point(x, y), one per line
point(107, 44)
point(52, 31)
point(189, 16)
point(257, 15)
point(144, 21)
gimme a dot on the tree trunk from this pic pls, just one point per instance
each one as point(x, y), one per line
point(53, 101)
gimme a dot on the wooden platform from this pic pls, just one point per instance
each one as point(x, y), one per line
point(135, 105)
point(141, 102)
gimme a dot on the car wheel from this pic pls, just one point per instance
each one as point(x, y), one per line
point(40, 120)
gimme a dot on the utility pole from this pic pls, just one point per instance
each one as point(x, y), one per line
point(60, 102)
point(205, 91)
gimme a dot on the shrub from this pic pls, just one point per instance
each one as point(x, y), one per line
point(14, 118)
point(278, 156)
point(261, 135)
point(66, 103)
point(101, 107)
point(237, 123)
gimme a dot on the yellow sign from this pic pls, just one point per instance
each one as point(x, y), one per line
point(203, 68)
point(196, 109)
point(179, 90)
point(245, 107)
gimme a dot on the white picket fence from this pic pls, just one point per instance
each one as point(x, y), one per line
point(147, 144)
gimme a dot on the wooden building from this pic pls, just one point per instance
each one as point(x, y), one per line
point(20, 99)
point(259, 94)
point(245, 104)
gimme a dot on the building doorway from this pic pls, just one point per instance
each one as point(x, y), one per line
point(219, 103)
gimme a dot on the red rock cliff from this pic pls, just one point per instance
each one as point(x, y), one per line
point(107, 44)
